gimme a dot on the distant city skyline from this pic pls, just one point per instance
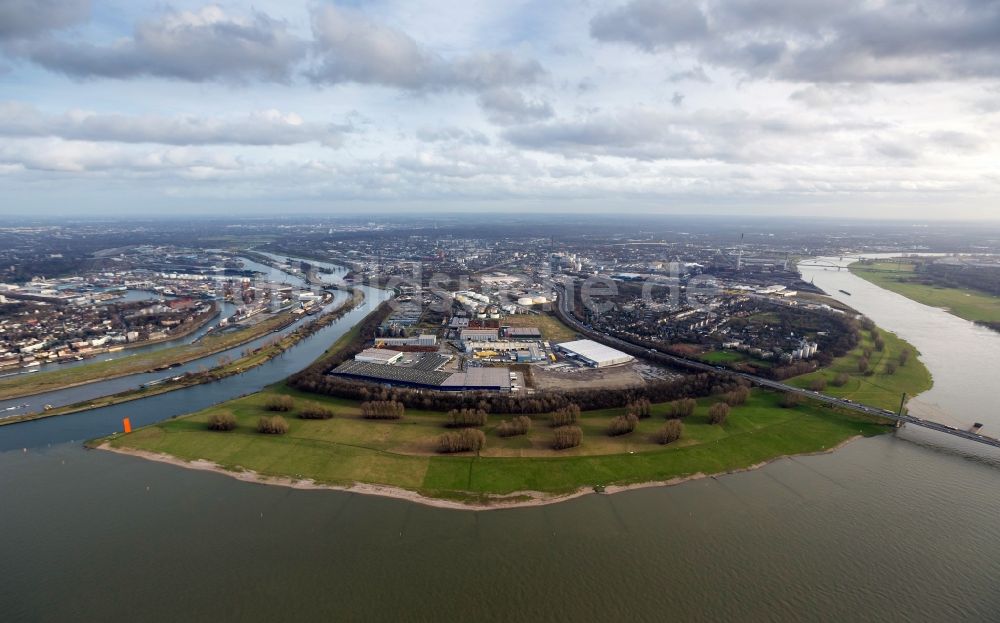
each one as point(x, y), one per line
point(764, 107)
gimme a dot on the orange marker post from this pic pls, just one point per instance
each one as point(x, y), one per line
point(127, 425)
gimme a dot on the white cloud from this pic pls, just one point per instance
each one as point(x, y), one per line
point(268, 127)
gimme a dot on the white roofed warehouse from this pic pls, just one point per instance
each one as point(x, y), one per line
point(594, 353)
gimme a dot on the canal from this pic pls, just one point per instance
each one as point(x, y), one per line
point(886, 529)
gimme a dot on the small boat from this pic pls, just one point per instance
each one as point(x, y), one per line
point(845, 292)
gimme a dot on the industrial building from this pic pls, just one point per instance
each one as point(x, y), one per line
point(522, 333)
point(382, 356)
point(473, 379)
point(424, 339)
point(594, 354)
point(479, 335)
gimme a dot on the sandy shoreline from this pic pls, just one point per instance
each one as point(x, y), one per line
point(517, 499)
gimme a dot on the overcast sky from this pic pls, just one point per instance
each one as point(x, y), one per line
point(883, 109)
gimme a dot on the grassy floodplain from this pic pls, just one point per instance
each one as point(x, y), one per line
point(879, 389)
point(900, 278)
point(348, 449)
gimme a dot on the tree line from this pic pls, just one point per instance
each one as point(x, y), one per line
point(694, 385)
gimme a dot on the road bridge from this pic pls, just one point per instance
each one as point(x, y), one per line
point(654, 354)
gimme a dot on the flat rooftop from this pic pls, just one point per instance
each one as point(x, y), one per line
point(594, 351)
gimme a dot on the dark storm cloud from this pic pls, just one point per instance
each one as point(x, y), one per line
point(23, 19)
point(206, 45)
point(813, 41)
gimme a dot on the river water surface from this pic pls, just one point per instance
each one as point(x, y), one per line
point(901, 527)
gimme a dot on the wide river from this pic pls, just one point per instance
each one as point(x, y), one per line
point(901, 527)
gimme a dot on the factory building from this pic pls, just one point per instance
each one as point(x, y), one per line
point(382, 356)
point(522, 333)
point(479, 335)
point(593, 353)
point(473, 379)
point(424, 339)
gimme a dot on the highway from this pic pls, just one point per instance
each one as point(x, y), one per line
point(653, 354)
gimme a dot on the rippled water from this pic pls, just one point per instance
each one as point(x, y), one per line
point(897, 528)
point(963, 358)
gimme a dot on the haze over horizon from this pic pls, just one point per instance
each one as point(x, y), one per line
point(767, 107)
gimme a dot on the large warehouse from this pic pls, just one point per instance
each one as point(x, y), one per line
point(594, 354)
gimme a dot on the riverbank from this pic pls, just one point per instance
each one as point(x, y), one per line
point(348, 451)
point(44, 382)
point(518, 499)
point(899, 277)
point(250, 360)
point(888, 374)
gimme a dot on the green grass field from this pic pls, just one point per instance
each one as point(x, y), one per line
point(879, 389)
point(348, 449)
point(963, 302)
point(550, 326)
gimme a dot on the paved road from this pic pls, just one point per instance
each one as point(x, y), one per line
point(700, 366)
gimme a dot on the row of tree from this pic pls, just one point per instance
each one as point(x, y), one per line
point(694, 385)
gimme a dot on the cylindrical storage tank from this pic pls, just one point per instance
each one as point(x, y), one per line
point(538, 300)
point(525, 300)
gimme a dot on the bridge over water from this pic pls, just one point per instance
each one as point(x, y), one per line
point(653, 354)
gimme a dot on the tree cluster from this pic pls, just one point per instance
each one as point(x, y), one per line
point(790, 400)
point(273, 425)
point(518, 425)
point(623, 424)
point(566, 437)
point(640, 408)
point(382, 410)
point(818, 384)
point(465, 440)
point(718, 413)
point(279, 403)
point(315, 411)
point(460, 418)
point(221, 420)
point(566, 416)
point(671, 432)
point(681, 408)
point(737, 397)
